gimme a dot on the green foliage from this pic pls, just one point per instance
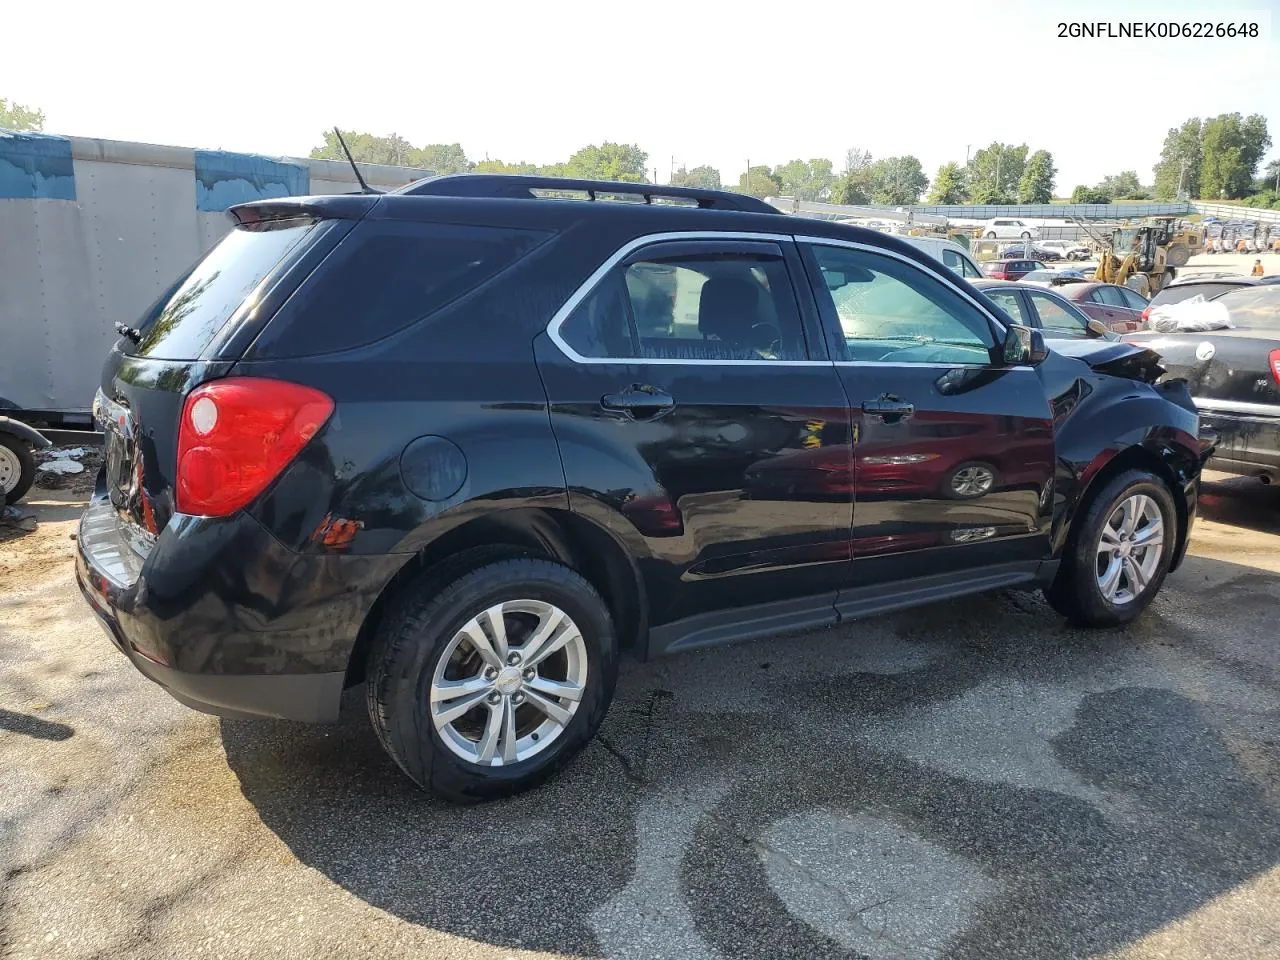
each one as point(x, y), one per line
point(1083, 194)
point(806, 181)
point(994, 172)
point(497, 166)
point(1232, 147)
point(1124, 185)
point(1036, 183)
point(703, 178)
point(897, 180)
point(15, 116)
point(609, 161)
point(442, 158)
point(853, 185)
point(367, 148)
point(1180, 144)
point(759, 182)
point(949, 185)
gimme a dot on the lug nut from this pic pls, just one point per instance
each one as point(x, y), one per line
point(529, 673)
point(494, 697)
point(518, 698)
point(491, 673)
point(513, 658)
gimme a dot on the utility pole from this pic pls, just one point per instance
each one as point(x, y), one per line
point(1182, 169)
point(967, 147)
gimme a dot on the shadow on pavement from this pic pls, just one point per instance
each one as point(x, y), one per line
point(1242, 502)
point(1024, 789)
point(31, 726)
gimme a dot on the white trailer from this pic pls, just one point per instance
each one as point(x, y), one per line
point(92, 231)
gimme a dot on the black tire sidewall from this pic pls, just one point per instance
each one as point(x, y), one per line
point(1099, 609)
point(416, 744)
point(27, 471)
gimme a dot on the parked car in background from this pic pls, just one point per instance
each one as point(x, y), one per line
point(1001, 228)
point(1188, 288)
point(949, 253)
point(512, 438)
point(1067, 249)
point(1028, 250)
point(1009, 269)
point(1055, 278)
point(1118, 307)
point(1234, 378)
point(1043, 310)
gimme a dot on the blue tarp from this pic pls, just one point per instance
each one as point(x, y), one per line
point(225, 179)
point(36, 165)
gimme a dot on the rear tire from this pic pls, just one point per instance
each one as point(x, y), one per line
point(1111, 568)
point(991, 234)
point(1026, 235)
point(17, 468)
point(423, 646)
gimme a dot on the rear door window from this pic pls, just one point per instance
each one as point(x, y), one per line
point(385, 276)
point(1010, 302)
point(1109, 296)
point(189, 314)
point(1132, 299)
point(1057, 317)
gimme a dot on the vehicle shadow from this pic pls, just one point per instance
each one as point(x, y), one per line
point(1242, 502)
point(1045, 791)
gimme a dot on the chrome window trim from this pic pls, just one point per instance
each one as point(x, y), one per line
point(588, 287)
point(1210, 405)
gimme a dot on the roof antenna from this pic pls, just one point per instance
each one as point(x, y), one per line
point(364, 187)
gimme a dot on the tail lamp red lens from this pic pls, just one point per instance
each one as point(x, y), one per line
point(237, 435)
point(1273, 361)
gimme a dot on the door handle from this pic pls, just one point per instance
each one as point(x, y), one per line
point(889, 409)
point(639, 402)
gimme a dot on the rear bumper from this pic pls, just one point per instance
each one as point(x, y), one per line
point(224, 617)
point(1247, 444)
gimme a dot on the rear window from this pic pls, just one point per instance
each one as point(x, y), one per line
point(386, 275)
point(1253, 308)
point(1179, 292)
point(187, 316)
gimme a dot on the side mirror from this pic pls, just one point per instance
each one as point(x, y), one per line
point(1024, 345)
point(1097, 328)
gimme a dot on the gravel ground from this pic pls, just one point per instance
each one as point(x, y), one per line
point(970, 779)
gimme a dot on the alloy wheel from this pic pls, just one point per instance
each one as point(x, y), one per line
point(508, 682)
point(972, 481)
point(1129, 548)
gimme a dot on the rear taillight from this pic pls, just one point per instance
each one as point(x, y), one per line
point(1146, 314)
point(237, 435)
point(1274, 361)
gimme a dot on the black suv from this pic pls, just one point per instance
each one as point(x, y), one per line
point(470, 441)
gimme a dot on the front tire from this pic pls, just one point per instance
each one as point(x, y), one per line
point(17, 469)
point(991, 234)
point(488, 685)
point(1119, 553)
point(1026, 235)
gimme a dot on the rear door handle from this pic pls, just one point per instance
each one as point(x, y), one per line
point(889, 409)
point(639, 402)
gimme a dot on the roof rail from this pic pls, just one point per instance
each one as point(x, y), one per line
point(525, 187)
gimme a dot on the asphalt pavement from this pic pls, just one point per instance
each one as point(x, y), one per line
point(969, 779)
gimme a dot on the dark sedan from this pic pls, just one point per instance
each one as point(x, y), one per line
point(1009, 269)
point(1234, 377)
point(1040, 309)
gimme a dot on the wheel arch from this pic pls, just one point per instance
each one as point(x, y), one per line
point(578, 542)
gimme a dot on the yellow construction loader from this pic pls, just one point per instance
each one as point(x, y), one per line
point(1149, 252)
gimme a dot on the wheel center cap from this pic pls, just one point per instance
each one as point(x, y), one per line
point(508, 681)
point(1125, 548)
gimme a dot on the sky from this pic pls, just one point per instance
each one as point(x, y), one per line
point(719, 83)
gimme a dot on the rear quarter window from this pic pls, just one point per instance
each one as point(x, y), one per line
point(385, 276)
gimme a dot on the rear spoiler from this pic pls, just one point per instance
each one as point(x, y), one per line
point(341, 207)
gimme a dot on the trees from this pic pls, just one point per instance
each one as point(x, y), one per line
point(948, 185)
point(366, 148)
point(994, 172)
point(608, 161)
point(1083, 194)
point(897, 180)
point(853, 185)
point(1231, 147)
point(806, 180)
point(703, 178)
point(441, 158)
point(1124, 185)
point(1179, 162)
point(15, 116)
point(497, 166)
point(758, 181)
point(1036, 183)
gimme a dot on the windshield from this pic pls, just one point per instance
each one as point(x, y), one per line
point(1253, 308)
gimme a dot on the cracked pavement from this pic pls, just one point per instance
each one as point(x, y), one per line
point(970, 779)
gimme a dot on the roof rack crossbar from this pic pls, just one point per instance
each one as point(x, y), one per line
point(523, 187)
